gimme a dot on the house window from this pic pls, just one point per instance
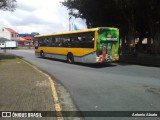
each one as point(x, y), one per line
point(12, 35)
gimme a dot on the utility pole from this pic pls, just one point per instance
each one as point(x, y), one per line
point(70, 17)
point(70, 23)
point(5, 47)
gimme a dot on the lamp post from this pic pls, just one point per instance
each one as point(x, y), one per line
point(70, 23)
point(5, 47)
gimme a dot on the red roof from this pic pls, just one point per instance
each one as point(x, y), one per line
point(10, 30)
point(27, 38)
point(22, 39)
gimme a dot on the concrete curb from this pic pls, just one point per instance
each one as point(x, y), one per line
point(57, 104)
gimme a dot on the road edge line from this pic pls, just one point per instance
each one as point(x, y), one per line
point(57, 105)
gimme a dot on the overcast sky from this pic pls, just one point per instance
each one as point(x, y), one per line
point(43, 16)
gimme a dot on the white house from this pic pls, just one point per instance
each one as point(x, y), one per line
point(8, 33)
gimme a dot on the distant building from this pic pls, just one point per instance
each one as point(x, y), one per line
point(8, 33)
point(26, 39)
point(26, 36)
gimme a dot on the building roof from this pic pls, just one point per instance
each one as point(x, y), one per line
point(22, 39)
point(26, 34)
point(11, 30)
point(28, 38)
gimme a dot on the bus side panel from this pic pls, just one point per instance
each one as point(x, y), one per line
point(84, 55)
point(88, 57)
point(58, 52)
point(57, 56)
point(37, 51)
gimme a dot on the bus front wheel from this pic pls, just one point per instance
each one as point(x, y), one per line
point(42, 54)
point(70, 58)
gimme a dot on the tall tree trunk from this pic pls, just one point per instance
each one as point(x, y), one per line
point(151, 36)
point(156, 37)
point(131, 32)
point(149, 40)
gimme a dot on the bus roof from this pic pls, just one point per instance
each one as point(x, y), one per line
point(76, 31)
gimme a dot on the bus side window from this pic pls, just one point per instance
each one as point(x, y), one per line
point(80, 39)
point(83, 42)
point(62, 39)
point(43, 42)
point(66, 41)
point(53, 44)
point(86, 40)
point(40, 42)
point(36, 42)
point(57, 41)
point(89, 41)
point(73, 41)
point(76, 40)
point(47, 41)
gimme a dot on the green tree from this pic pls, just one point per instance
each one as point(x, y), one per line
point(134, 18)
point(8, 5)
point(148, 23)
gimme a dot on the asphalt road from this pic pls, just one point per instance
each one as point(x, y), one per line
point(104, 87)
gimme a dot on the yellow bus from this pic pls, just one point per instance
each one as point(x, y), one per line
point(94, 45)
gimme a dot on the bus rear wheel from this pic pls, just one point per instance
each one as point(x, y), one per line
point(70, 58)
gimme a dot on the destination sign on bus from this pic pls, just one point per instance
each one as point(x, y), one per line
point(109, 39)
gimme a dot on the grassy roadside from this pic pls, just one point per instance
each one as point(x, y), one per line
point(23, 88)
point(25, 47)
point(6, 56)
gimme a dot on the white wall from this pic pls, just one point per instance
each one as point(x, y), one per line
point(6, 34)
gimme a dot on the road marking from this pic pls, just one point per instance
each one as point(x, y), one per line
point(57, 105)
